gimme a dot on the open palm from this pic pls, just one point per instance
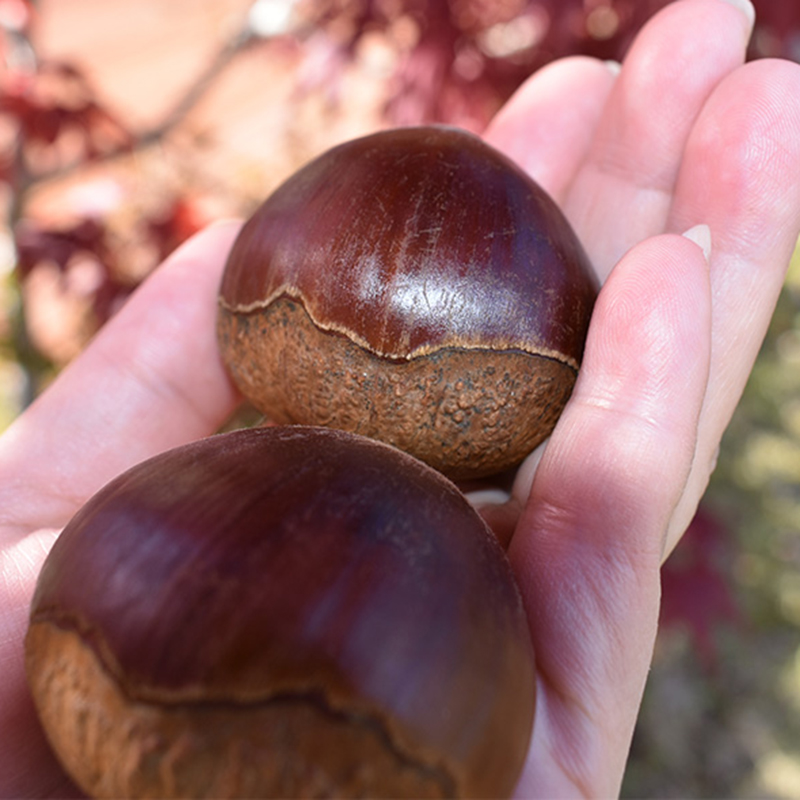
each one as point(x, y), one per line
point(684, 137)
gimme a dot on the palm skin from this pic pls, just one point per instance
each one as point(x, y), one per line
point(685, 137)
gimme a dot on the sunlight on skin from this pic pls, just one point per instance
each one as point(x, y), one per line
point(19, 566)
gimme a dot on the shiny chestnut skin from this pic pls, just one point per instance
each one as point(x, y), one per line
point(413, 286)
point(282, 612)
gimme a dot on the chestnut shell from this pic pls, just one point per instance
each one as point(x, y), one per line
point(285, 612)
point(414, 286)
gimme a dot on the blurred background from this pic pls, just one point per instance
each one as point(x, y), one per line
point(127, 126)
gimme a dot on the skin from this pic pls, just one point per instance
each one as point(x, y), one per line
point(683, 136)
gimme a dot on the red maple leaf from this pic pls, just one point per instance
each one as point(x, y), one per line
point(697, 588)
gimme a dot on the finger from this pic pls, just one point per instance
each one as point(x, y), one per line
point(151, 379)
point(741, 174)
point(622, 193)
point(28, 767)
point(588, 547)
point(547, 126)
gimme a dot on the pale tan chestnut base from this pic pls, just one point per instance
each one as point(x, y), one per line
point(466, 412)
point(114, 747)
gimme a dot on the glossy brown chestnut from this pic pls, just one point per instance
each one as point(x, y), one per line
point(413, 286)
point(282, 612)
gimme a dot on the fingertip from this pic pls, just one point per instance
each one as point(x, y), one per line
point(547, 125)
point(206, 249)
point(740, 166)
point(660, 288)
point(746, 8)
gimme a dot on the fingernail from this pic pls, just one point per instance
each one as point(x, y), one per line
point(614, 67)
point(701, 236)
point(747, 8)
point(487, 497)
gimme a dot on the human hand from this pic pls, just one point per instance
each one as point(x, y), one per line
point(683, 136)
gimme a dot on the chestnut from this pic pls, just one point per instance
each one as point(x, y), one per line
point(282, 612)
point(413, 286)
